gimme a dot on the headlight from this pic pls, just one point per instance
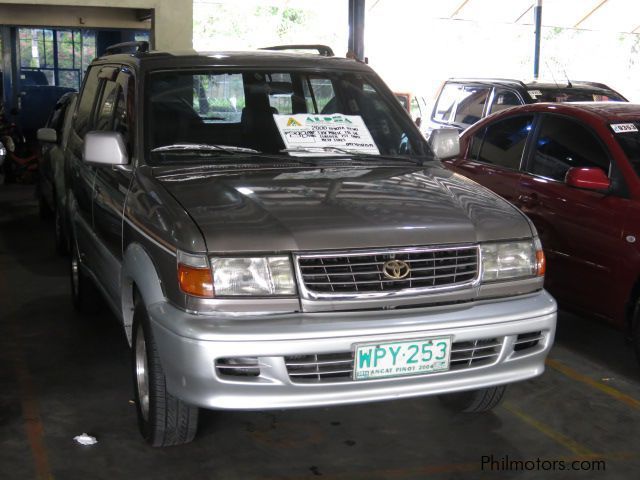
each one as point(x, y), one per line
point(512, 260)
point(259, 276)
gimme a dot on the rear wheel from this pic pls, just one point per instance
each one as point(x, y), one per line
point(474, 401)
point(163, 419)
point(84, 294)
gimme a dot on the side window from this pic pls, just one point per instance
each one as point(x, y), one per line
point(504, 142)
point(503, 99)
point(446, 102)
point(107, 106)
point(564, 143)
point(471, 105)
point(82, 122)
point(124, 117)
point(476, 143)
point(319, 95)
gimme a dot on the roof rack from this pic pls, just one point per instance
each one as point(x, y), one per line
point(141, 47)
point(323, 50)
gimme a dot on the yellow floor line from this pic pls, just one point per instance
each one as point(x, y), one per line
point(604, 388)
point(558, 437)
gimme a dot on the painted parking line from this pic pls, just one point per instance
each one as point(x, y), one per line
point(604, 388)
point(546, 430)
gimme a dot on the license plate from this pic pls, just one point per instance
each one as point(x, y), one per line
point(406, 357)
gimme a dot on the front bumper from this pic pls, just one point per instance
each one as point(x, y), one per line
point(189, 346)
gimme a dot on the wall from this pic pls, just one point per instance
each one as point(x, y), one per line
point(172, 19)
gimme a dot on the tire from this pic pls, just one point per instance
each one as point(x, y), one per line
point(84, 294)
point(62, 244)
point(163, 419)
point(474, 401)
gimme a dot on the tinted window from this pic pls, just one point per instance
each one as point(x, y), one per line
point(504, 141)
point(82, 122)
point(317, 92)
point(564, 143)
point(446, 102)
point(504, 99)
point(471, 105)
point(107, 106)
point(576, 95)
point(630, 143)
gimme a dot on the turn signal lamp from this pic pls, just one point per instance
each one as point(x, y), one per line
point(194, 275)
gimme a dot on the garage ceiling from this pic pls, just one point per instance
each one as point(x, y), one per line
point(602, 15)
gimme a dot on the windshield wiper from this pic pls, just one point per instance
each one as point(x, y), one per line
point(309, 151)
point(202, 147)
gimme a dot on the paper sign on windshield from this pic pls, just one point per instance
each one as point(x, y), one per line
point(309, 131)
point(623, 127)
point(534, 93)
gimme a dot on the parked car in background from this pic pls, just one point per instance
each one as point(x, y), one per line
point(51, 188)
point(461, 102)
point(574, 170)
point(312, 252)
point(415, 105)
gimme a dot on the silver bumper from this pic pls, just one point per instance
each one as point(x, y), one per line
point(190, 344)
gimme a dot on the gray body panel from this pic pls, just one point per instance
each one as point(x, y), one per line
point(310, 209)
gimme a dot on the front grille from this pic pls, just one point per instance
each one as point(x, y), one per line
point(353, 273)
point(332, 367)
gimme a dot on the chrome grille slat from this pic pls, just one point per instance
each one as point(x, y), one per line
point(354, 272)
point(366, 282)
point(319, 362)
point(374, 272)
point(456, 350)
point(527, 340)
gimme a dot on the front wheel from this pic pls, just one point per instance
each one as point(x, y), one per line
point(163, 419)
point(474, 401)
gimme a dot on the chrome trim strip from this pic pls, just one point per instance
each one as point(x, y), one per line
point(406, 292)
point(157, 242)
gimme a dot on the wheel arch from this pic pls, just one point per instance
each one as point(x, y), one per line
point(139, 281)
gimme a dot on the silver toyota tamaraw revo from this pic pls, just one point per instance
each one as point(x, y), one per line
point(273, 232)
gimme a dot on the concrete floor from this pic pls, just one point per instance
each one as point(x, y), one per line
point(62, 374)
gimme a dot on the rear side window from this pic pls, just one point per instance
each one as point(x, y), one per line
point(504, 142)
point(564, 143)
point(82, 122)
point(471, 105)
point(446, 102)
point(503, 99)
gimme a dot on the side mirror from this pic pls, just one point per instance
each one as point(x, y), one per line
point(104, 148)
point(3, 153)
point(590, 178)
point(445, 143)
point(47, 135)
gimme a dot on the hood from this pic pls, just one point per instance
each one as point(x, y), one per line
point(314, 208)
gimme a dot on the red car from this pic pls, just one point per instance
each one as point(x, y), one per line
point(574, 169)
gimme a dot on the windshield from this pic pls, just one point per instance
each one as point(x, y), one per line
point(628, 136)
point(279, 113)
point(560, 95)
